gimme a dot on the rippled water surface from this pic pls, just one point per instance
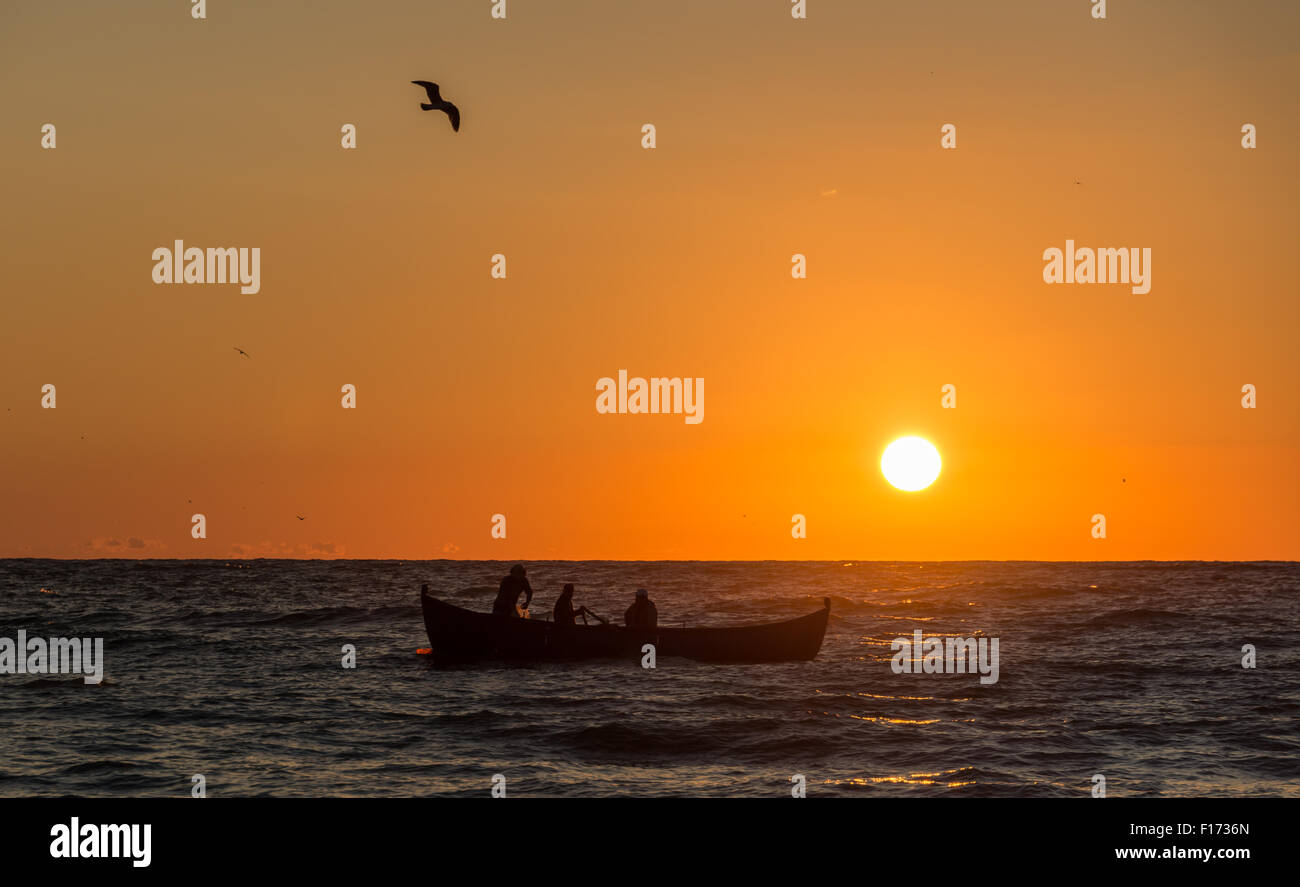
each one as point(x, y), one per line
point(232, 670)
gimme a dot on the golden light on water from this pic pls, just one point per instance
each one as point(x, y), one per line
point(910, 463)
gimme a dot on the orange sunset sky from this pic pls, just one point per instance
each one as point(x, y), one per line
point(477, 396)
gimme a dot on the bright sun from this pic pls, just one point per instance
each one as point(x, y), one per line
point(910, 463)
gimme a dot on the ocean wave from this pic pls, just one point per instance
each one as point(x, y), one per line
point(1137, 617)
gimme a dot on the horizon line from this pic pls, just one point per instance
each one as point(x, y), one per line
point(849, 561)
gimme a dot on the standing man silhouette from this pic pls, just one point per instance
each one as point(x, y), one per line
point(511, 587)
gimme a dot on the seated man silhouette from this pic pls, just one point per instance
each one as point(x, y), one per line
point(564, 612)
point(642, 615)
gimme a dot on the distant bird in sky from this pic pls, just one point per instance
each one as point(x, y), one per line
point(242, 351)
point(300, 517)
point(437, 103)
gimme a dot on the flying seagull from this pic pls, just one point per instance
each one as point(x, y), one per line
point(300, 517)
point(436, 103)
point(242, 351)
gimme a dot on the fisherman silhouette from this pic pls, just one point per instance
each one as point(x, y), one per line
point(565, 613)
point(512, 586)
point(643, 614)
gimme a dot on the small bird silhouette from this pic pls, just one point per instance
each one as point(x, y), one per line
point(242, 351)
point(437, 103)
point(300, 517)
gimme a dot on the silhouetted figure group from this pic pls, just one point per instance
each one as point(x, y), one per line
point(642, 615)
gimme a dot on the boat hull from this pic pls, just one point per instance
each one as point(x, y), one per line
point(460, 635)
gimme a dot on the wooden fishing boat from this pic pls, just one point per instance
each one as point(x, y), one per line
point(459, 635)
